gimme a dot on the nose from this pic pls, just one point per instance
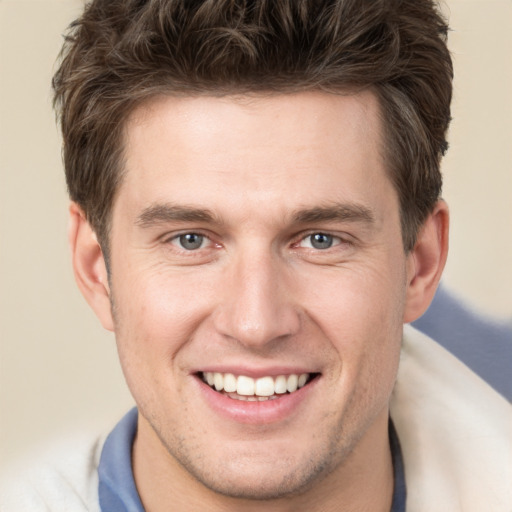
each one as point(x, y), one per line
point(256, 306)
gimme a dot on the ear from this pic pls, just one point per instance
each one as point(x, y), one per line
point(89, 266)
point(425, 263)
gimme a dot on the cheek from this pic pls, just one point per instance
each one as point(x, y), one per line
point(360, 313)
point(362, 300)
point(155, 316)
point(160, 306)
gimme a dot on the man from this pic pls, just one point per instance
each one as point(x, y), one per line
point(256, 213)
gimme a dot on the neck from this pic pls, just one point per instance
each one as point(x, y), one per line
point(362, 482)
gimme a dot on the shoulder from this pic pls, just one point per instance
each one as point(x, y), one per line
point(454, 429)
point(62, 478)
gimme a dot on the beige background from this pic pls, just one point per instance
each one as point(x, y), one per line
point(58, 368)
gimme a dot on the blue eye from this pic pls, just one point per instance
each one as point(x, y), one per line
point(321, 241)
point(190, 241)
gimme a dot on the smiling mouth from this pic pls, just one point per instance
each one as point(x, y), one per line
point(262, 389)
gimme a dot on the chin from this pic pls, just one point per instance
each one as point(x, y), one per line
point(260, 482)
point(271, 473)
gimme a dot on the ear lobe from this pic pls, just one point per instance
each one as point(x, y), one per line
point(89, 266)
point(425, 263)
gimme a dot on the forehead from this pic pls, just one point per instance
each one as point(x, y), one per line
point(284, 150)
point(307, 120)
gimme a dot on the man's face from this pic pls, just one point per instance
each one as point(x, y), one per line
point(255, 240)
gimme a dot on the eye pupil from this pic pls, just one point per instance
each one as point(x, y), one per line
point(191, 241)
point(321, 241)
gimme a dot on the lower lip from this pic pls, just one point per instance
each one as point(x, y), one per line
point(265, 412)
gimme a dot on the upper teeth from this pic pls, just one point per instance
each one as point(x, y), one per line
point(247, 386)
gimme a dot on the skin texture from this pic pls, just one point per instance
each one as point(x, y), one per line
point(256, 177)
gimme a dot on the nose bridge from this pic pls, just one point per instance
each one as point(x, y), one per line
point(256, 306)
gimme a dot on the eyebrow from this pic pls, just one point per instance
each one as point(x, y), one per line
point(344, 212)
point(163, 213)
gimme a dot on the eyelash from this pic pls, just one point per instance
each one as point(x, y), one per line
point(334, 241)
point(175, 240)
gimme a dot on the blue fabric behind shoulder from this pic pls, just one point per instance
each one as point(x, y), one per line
point(482, 343)
point(117, 491)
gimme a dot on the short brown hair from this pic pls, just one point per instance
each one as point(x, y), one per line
point(119, 53)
